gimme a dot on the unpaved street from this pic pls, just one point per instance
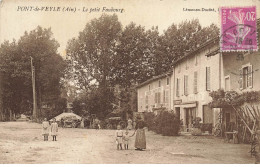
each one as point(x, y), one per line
point(21, 142)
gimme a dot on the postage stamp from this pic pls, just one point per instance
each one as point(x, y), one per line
point(238, 29)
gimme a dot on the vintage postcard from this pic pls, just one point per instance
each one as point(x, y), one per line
point(129, 82)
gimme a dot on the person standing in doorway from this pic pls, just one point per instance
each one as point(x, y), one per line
point(54, 130)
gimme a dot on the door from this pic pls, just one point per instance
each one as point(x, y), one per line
point(177, 112)
point(207, 114)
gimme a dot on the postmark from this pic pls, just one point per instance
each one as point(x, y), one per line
point(238, 29)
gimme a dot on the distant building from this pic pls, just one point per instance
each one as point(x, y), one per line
point(154, 93)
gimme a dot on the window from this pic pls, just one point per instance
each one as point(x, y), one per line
point(149, 87)
point(165, 96)
point(178, 87)
point(246, 77)
point(227, 83)
point(208, 78)
point(157, 98)
point(168, 81)
point(195, 82)
point(186, 85)
point(160, 83)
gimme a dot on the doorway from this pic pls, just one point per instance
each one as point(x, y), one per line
point(190, 115)
point(207, 114)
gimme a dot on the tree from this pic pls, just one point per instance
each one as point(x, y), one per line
point(181, 39)
point(131, 62)
point(91, 56)
point(16, 69)
point(92, 53)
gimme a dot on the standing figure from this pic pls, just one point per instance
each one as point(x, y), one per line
point(82, 122)
point(126, 139)
point(45, 126)
point(129, 124)
point(140, 140)
point(134, 125)
point(54, 130)
point(119, 137)
point(62, 122)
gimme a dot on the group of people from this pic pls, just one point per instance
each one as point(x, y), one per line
point(123, 137)
point(51, 129)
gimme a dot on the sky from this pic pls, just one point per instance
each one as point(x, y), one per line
point(65, 25)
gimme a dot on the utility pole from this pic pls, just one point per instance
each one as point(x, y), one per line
point(34, 92)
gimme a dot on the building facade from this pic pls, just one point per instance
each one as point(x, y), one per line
point(155, 93)
point(195, 75)
point(241, 73)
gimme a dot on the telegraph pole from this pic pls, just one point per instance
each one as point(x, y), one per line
point(34, 92)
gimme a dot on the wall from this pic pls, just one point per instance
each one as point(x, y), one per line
point(232, 63)
point(154, 87)
point(187, 67)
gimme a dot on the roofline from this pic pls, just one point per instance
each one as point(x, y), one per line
point(155, 78)
point(202, 46)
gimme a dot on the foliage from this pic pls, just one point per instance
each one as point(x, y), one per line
point(105, 54)
point(92, 53)
point(186, 37)
point(224, 99)
point(16, 70)
point(164, 123)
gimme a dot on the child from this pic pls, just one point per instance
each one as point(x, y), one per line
point(54, 129)
point(126, 139)
point(45, 126)
point(119, 137)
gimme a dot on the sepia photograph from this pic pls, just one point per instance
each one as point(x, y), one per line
point(129, 82)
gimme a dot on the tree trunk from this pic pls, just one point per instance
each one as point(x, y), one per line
point(10, 115)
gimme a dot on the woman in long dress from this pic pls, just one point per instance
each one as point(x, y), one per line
point(140, 140)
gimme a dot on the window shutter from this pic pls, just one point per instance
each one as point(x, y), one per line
point(207, 78)
point(250, 76)
point(167, 97)
point(177, 88)
point(241, 79)
point(185, 85)
point(195, 82)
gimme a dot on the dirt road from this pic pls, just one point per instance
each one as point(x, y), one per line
point(21, 142)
